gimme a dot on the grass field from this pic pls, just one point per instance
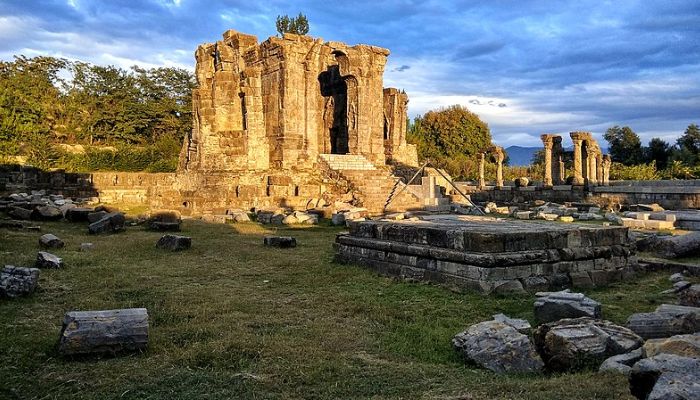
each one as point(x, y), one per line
point(232, 319)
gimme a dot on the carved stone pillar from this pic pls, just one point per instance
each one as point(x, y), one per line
point(562, 171)
point(557, 165)
point(482, 161)
point(607, 162)
point(547, 141)
point(592, 169)
point(499, 166)
point(578, 162)
point(599, 168)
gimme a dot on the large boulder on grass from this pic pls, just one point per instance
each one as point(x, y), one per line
point(499, 347)
point(574, 344)
point(50, 241)
point(666, 377)
point(48, 213)
point(553, 306)
point(174, 242)
point(78, 214)
point(48, 260)
point(280, 241)
point(111, 222)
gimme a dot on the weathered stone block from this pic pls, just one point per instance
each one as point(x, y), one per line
point(18, 281)
point(48, 260)
point(280, 241)
point(104, 332)
point(50, 241)
point(174, 242)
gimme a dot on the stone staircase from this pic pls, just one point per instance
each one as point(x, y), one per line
point(376, 185)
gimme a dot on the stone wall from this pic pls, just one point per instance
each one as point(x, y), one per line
point(672, 195)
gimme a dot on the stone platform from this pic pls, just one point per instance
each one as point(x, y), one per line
point(489, 255)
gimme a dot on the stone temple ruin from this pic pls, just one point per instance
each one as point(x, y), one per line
point(279, 122)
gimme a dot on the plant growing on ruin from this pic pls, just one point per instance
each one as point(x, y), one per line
point(298, 25)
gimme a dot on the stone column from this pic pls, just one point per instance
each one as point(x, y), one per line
point(482, 161)
point(547, 141)
point(592, 169)
point(562, 171)
point(599, 168)
point(499, 166)
point(607, 162)
point(578, 162)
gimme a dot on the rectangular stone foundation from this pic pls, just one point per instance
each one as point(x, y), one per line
point(490, 255)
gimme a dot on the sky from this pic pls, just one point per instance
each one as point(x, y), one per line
point(525, 67)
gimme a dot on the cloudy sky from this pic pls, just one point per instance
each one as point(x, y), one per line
point(526, 67)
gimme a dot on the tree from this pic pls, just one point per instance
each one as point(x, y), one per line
point(690, 139)
point(624, 145)
point(298, 25)
point(658, 151)
point(450, 136)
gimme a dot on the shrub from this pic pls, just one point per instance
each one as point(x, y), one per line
point(641, 172)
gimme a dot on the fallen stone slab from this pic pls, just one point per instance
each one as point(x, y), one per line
point(161, 226)
point(574, 344)
point(11, 224)
point(110, 223)
point(680, 345)
point(174, 242)
point(666, 377)
point(690, 297)
point(48, 213)
point(621, 363)
point(48, 260)
point(676, 246)
point(96, 216)
point(498, 347)
point(668, 320)
point(78, 214)
point(239, 216)
point(50, 241)
point(18, 281)
point(280, 241)
point(553, 306)
point(104, 332)
point(20, 213)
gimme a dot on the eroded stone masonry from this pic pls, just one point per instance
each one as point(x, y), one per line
point(289, 120)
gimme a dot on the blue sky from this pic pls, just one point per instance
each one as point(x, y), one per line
point(526, 67)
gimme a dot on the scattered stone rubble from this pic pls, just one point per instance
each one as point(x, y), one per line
point(499, 346)
point(174, 242)
point(666, 376)
point(18, 281)
point(571, 344)
point(50, 241)
point(283, 242)
point(48, 260)
point(666, 321)
point(553, 306)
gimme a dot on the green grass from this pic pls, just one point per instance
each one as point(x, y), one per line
point(232, 319)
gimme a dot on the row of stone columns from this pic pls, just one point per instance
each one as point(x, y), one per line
point(591, 167)
point(500, 155)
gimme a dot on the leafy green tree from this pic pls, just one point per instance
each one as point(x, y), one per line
point(450, 136)
point(624, 145)
point(298, 25)
point(690, 139)
point(658, 151)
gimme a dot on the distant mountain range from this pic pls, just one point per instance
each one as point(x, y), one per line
point(522, 156)
point(519, 155)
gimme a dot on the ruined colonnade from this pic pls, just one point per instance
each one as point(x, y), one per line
point(591, 167)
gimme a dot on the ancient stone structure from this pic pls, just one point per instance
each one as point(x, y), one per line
point(486, 255)
point(588, 159)
point(499, 154)
point(281, 103)
point(591, 168)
